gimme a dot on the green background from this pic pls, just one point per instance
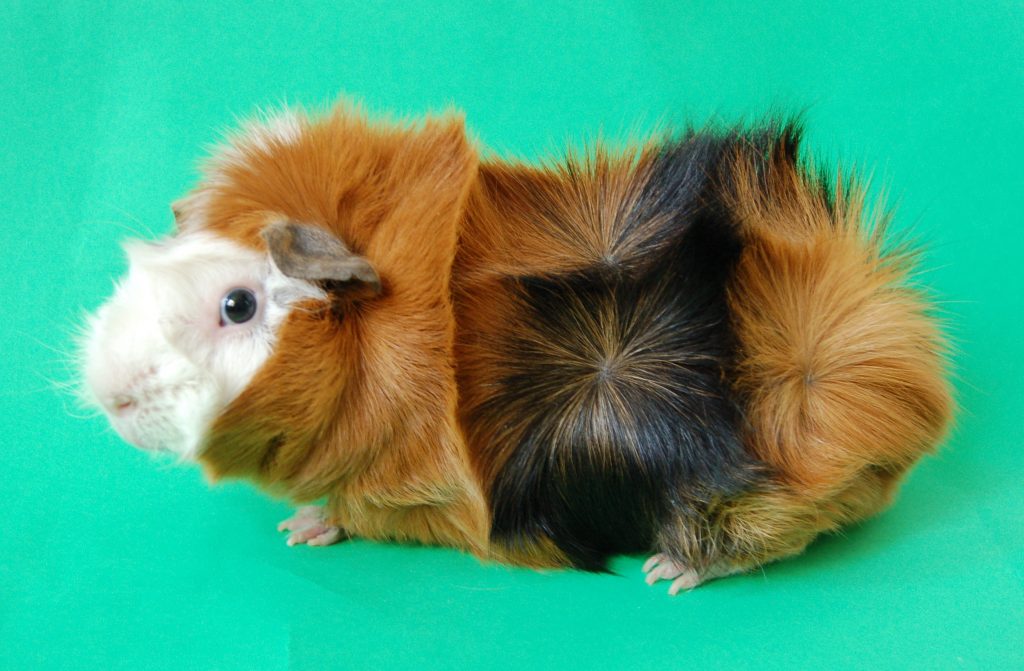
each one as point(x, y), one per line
point(111, 560)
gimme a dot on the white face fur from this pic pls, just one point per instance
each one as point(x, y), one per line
point(164, 356)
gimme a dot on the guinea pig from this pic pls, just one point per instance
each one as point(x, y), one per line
point(699, 348)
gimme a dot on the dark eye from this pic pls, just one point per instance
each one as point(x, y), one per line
point(237, 307)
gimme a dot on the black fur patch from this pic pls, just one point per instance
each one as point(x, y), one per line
point(615, 396)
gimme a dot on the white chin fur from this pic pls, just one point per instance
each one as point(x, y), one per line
point(157, 359)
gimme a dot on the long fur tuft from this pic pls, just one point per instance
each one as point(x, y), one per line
point(593, 347)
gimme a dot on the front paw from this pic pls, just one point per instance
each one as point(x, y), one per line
point(309, 525)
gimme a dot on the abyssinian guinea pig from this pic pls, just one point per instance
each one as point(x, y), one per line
point(698, 348)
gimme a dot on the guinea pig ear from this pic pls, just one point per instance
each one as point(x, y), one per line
point(178, 210)
point(188, 211)
point(310, 253)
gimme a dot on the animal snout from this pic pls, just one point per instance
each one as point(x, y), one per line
point(122, 391)
point(122, 404)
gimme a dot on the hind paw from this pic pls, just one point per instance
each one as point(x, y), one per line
point(661, 567)
point(683, 577)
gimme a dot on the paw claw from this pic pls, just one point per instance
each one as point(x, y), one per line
point(652, 562)
point(309, 525)
point(687, 581)
point(329, 536)
point(661, 567)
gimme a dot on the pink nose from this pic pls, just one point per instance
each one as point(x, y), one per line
point(122, 403)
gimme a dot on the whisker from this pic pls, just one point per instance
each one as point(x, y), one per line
point(63, 353)
point(84, 418)
point(125, 213)
point(127, 228)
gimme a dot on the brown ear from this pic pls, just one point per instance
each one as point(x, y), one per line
point(188, 211)
point(310, 253)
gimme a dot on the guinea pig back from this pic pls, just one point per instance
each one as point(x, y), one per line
point(697, 348)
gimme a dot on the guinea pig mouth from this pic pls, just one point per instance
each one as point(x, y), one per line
point(164, 417)
point(138, 435)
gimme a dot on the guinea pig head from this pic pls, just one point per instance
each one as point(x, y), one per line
point(183, 335)
point(297, 324)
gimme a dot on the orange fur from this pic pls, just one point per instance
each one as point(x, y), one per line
point(840, 362)
point(358, 406)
